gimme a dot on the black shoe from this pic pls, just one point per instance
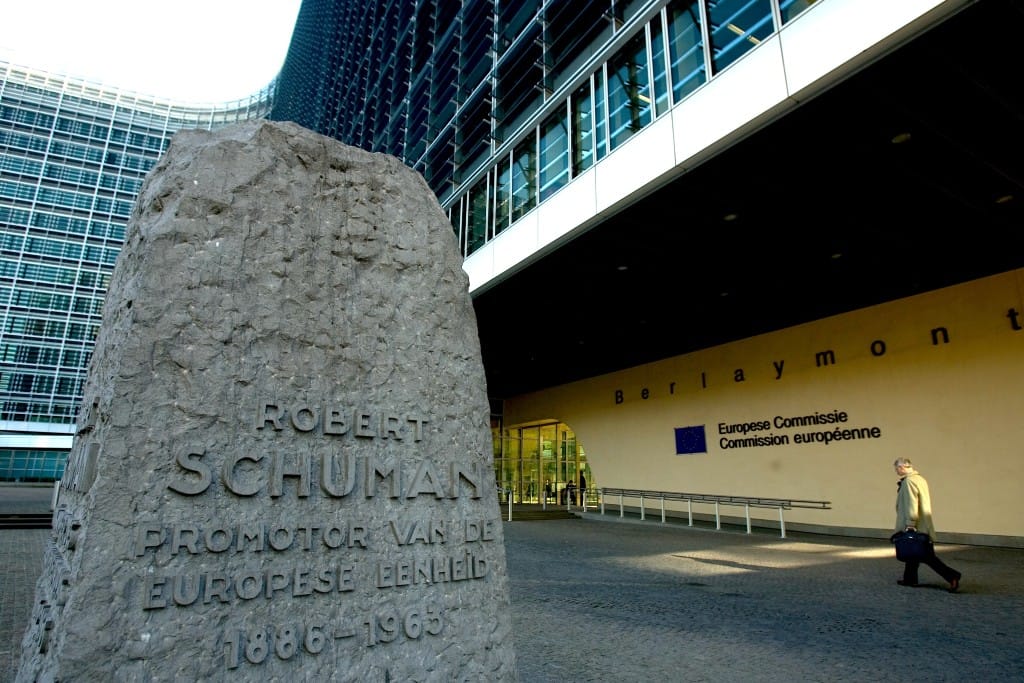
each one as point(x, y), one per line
point(908, 584)
point(954, 585)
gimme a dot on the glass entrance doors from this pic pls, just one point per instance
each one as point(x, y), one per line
point(532, 462)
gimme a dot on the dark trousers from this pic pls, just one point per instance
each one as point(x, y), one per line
point(933, 561)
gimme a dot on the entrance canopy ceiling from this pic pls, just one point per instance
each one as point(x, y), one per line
point(906, 177)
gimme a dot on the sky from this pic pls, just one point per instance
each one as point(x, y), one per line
point(188, 51)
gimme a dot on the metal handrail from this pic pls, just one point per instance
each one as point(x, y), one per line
point(746, 501)
point(543, 497)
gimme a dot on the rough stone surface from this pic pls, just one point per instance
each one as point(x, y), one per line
point(282, 467)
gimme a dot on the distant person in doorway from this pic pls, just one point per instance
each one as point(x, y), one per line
point(583, 489)
point(547, 491)
point(914, 511)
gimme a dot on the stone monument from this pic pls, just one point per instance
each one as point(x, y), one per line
point(282, 467)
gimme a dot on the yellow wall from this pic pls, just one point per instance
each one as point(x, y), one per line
point(956, 409)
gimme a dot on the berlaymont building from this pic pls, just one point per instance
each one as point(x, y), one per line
point(729, 259)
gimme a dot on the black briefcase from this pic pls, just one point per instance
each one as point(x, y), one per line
point(911, 545)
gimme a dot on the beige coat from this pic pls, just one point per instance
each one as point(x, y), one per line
point(914, 505)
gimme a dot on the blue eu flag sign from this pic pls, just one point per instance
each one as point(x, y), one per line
point(691, 440)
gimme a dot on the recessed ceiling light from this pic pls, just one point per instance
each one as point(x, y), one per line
point(621, 268)
point(837, 255)
point(900, 138)
point(730, 217)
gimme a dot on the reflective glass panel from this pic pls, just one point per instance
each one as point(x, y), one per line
point(661, 103)
point(582, 129)
point(600, 121)
point(502, 195)
point(629, 92)
point(476, 217)
point(554, 154)
point(685, 48)
point(524, 178)
point(791, 8)
point(736, 27)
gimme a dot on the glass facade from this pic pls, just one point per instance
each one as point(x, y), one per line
point(73, 156)
point(32, 465)
point(501, 103)
point(497, 103)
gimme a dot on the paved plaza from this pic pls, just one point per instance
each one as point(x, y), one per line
point(602, 599)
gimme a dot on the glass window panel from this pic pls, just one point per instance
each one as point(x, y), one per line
point(629, 92)
point(791, 8)
point(685, 47)
point(737, 26)
point(524, 178)
point(661, 102)
point(476, 217)
point(502, 195)
point(455, 214)
point(554, 154)
point(581, 104)
point(600, 120)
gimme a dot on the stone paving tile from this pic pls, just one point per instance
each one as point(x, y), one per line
point(601, 599)
point(598, 601)
point(21, 561)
